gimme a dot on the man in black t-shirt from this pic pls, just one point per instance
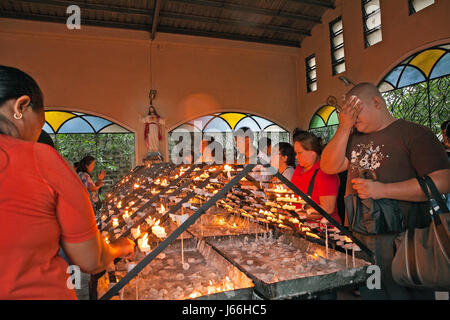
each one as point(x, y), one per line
point(393, 152)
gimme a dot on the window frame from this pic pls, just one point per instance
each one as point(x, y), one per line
point(365, 17)
point(309, 80)
point(333, 35)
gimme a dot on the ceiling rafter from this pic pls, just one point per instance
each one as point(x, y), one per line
point(155, 20)
point(91, 6)
point(249, 9)
point(318, 3)
point(231, 36)
point(233, 22)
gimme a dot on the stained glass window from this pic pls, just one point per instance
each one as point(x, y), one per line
point(222, 124)
point(418, 88)
point(324, 122)
point(76, 134)
point(77, 122)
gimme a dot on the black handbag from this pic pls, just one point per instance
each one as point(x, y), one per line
point(371, 217)
point(422, 259)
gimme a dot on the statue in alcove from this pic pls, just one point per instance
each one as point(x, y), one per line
point(154, 126)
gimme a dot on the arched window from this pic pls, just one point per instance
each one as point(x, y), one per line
point(418, 88)
point(324, 123)
point(228, 122)
point(77, 134)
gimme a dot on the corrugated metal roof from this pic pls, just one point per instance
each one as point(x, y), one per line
point(282, 22)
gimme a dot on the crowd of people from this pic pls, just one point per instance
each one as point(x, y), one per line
point(48, 207)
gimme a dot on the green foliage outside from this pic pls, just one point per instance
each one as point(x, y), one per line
point(114, 153)
point(425, 103)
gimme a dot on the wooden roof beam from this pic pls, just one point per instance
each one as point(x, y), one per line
point(318, 3)
point(231, 22)
point(155, 21)
point(86, 5)
point(229, 36)
point(249, 9)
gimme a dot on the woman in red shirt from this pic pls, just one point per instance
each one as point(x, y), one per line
point(308, 149)
point(43, 204)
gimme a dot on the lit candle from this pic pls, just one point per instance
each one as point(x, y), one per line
point(136, 232)
point(159, 231)
point(115, 222)
point(143, 244)
point(136, 186)
point(162, 210)
point(119, 205)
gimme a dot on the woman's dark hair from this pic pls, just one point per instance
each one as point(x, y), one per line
point(444, 125)
point(82, 165)
point(447, 130)
point(286, 150)
point(310, 142)
point(297, 132)
point(15, 83)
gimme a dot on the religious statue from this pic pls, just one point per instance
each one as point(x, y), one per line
point(153, 129)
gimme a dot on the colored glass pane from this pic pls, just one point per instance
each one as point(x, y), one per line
point(76, 125)
point(248, 122)
point(186, 127)
point(56, 118)
point(218, 125)
point(232, 118)
point(392, 78)
point(442, 68)
point(325, 112)
point(333, 119)
point(410, 76)
point(97, 122)
point(426, 60)
point(47, 128)
point(114, 128)
point(201, 122)
point(274, 128)
point(263, 123)
point(316, 122)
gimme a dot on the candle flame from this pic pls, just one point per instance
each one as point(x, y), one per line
point(115, 222)
point(119, 205)
point(136, 186)
point(347, 239)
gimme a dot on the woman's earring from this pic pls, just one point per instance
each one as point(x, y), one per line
point(18, 117)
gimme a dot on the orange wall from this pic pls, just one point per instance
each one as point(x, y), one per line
point(402, 36)
point(107, 72)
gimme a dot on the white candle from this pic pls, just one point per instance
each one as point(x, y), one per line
point(346, 258)
point(353, 256)
point(182, 251)
point(326, 239)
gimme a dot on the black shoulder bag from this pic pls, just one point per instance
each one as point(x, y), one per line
point(371, 217)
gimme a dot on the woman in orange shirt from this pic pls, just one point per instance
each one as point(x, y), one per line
point(43, 204)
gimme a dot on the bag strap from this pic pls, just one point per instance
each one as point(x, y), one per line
point(442, 237)
point(423, 186)
point(311, 183)
point(436, 194)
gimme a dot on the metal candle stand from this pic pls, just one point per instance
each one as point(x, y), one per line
point(191, 220)
point(208, 204)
